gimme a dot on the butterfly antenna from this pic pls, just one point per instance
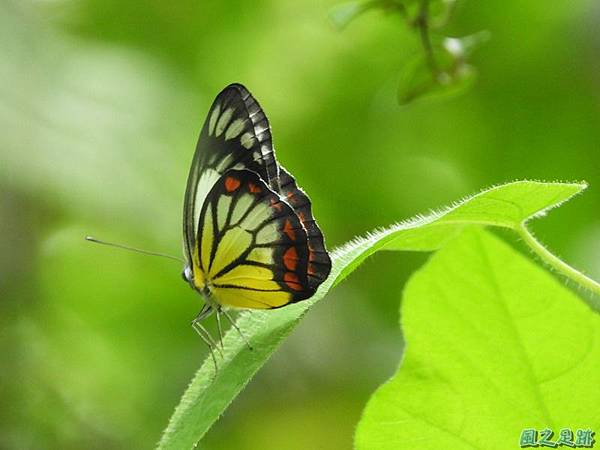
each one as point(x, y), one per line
point(132, 249)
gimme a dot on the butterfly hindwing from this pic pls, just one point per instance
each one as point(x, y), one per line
point(319, 263)
point(236, 134)
point(252, 250)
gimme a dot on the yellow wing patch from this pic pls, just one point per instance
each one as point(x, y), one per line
point(245, 299)
point(247, 276)
point(231, 247)
point(207, 242)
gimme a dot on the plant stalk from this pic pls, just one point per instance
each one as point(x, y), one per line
point(560, 266)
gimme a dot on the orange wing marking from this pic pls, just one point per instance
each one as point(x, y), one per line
point(275, 204)
point(231, 184)
point(289, 230)
point(290, 258)
point(291, 279)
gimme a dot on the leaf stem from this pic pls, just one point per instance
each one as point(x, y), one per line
point(422, 23)
point(560, 266)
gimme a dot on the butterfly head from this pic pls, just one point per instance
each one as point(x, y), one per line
point(188, 276)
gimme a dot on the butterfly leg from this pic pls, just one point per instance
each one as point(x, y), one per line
point(206, 311)
point(219, 327)
point(234, 325)
point(207, 341)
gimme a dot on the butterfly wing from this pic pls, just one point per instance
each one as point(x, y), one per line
point(319, 263)
point(236, 134)
point(252, 248)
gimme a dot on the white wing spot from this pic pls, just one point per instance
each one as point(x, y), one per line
point(224, 163)
point(247, 140)
point(223, 121)
point(234, 130)
point(213, 119)
point(262, 255)
point(259, 130)
point(222, 210)
point(207, 180)
point(265, 149)
point(268, 234)
point(244, 203)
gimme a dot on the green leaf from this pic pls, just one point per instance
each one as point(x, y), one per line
point(341, 15)
point(209, 394)
point(440, 13)
point(443, 73)
point(494, 345)
point(418, 80)
point(507, 206)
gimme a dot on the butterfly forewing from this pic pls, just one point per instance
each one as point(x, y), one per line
point(236, 134)
point(252, 250)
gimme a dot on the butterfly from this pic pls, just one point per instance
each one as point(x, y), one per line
point(249, 236)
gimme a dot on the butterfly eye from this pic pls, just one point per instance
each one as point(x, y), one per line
point(186, 274)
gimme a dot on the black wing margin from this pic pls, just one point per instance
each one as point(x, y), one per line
point(319, 263)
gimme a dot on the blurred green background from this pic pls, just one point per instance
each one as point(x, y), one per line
point(101, 103)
